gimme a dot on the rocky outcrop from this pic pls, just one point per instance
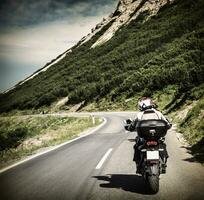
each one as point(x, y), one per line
point(128, 10)
point(96, 29)
point(123, 13)
point(152, 6)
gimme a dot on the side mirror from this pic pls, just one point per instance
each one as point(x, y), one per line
point(128, 121)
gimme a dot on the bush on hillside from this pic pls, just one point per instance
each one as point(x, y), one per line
point(141, 57)
point(12, 138)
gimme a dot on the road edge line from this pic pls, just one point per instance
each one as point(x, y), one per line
point(54, 148)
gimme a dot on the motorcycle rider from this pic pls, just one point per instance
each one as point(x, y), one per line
point(147, 111)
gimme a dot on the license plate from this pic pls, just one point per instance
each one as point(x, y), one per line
point(152, 155)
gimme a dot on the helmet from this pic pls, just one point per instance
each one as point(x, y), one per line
point(146, 103)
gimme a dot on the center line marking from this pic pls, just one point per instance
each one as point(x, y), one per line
point(103, 159)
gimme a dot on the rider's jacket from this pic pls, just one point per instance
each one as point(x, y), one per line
point(150, 114)
point(146, 115)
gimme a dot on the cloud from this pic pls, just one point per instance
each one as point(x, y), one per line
point(34, 32)
point(40, 44)
point(24, 13)
point(49, 25)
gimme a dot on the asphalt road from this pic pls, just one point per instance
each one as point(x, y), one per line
point(99, 166)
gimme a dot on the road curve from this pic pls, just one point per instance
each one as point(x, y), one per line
point(99, 166)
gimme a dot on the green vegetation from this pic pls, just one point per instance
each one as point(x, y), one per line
point(193, 129)
point(193, 124)
point(20, 136)
point(162, 57)
point(190, 118)
point(187, 110)
point(140, 58)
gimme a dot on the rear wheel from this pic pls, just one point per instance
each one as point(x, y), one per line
point(153, 182)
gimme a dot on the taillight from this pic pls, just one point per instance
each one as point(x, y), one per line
point(152, 143)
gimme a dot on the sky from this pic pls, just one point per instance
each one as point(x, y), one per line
point(33, 32)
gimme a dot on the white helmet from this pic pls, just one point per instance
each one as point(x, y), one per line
point(145, 103)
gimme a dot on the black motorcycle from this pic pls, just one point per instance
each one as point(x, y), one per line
point(152, 150)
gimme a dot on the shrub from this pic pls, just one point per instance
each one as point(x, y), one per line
point(12, 138)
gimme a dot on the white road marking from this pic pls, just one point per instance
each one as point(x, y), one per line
point(103, 159)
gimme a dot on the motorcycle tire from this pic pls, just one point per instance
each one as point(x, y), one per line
point(153, 182)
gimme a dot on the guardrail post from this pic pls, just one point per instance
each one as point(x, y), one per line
point(93, 119)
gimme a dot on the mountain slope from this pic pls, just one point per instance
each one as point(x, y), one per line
point(142, 56)
point(128, 10)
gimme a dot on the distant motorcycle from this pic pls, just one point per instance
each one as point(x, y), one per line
point(152, 150)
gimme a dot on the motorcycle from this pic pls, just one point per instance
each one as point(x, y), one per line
point(152, 150)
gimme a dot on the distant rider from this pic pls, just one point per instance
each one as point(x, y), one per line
point(147, 111)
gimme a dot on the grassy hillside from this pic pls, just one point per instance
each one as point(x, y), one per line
point(188, 112)
point(142, 57)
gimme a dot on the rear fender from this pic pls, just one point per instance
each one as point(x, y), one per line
point(153, 169)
